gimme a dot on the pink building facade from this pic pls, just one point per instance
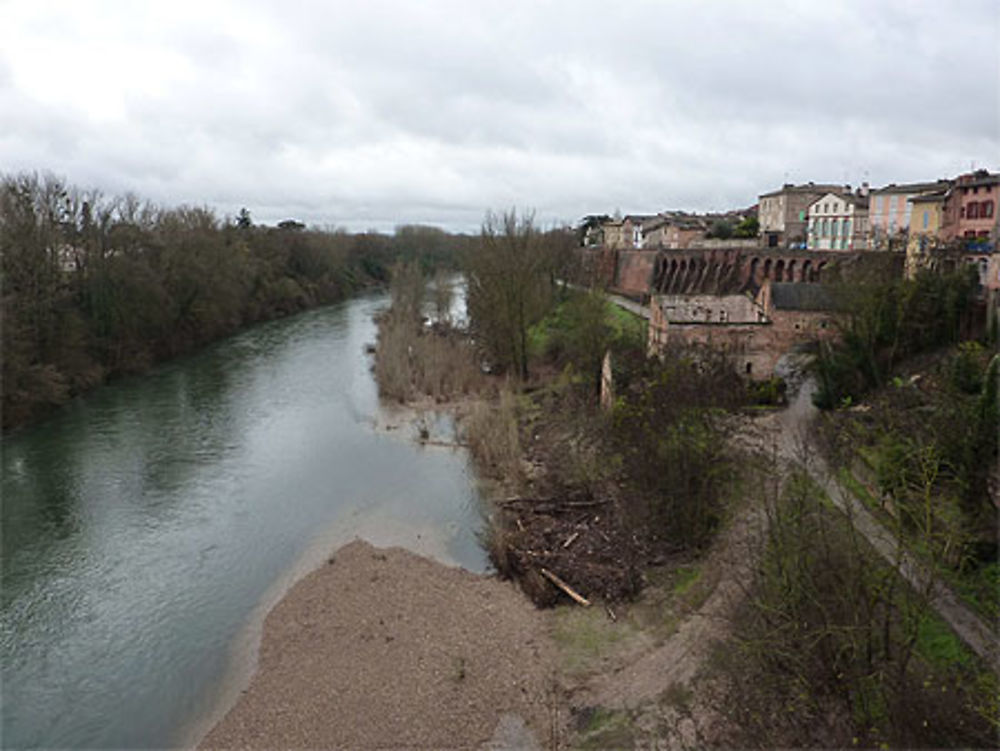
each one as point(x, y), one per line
point(889, 210)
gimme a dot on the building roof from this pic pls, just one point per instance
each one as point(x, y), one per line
point(912, 187)
point(979, 177)
point(933, 197)
point(801, 296)
point(805, 188)
point(676, 219)
point(858, 200)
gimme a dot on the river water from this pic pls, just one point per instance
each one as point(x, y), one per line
point(144, 525)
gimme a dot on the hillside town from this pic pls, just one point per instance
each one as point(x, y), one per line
point(748, 280)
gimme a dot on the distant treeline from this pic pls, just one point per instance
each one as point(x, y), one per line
point(94, 286)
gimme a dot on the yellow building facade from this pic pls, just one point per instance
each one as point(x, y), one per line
point(926, 218)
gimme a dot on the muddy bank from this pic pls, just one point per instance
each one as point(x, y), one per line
point(384, 648)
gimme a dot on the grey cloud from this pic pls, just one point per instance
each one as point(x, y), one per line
point(376, 113)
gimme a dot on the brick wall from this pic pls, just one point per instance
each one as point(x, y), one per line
point(635, 271)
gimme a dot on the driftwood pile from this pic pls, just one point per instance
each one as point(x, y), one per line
point(573, 547)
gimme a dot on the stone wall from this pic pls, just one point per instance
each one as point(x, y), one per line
point(635, 272)
point(740, 308)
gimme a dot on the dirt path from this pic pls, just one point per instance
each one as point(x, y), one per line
point(785, 437)
point(792, 439)
point(386, 649)
point(679, 658)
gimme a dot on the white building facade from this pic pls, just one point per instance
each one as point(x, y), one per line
point(838, 221)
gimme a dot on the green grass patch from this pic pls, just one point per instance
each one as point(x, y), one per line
point(937, 644)
point(607, 728)
point(625, 323)
point(869, 456)
point(685, 578)
point(979, 588)
point(857, 488)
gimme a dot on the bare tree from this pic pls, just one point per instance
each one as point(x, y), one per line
point(510, 277)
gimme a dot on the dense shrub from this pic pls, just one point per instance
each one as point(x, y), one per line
point(886, 320)
point(836, 649)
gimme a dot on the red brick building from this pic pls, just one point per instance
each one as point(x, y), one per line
point(970, 207)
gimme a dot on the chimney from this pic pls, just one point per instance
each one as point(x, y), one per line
point(863, 190)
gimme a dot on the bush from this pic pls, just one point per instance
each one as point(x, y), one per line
point(834, 646)
point(886, 321)
point(673, 448)
point(491, 432)
point(966, 368)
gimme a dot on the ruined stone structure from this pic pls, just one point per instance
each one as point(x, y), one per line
point(754, 330)
point(755, 303)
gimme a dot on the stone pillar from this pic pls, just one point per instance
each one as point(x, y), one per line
point(607, 383)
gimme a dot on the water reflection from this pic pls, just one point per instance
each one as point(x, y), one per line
point(142, 525)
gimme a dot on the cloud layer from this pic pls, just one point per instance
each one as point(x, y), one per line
point(379, 113)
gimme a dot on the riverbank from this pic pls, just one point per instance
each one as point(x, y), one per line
point(383, 648)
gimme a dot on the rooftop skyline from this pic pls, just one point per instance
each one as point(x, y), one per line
point(377, 114)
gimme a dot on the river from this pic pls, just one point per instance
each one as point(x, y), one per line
point(146, 525)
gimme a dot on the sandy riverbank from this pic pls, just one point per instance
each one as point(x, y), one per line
point(381, 648)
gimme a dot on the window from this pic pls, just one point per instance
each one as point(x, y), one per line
point(836, 228)
point(986, 210)
point(826, 227)
point(927, 218)
point(972, 212)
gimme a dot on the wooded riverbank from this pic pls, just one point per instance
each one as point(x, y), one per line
point(95, 287)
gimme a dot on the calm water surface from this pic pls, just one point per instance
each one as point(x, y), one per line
point(143, 524)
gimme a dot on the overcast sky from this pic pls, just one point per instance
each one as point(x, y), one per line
point(370, 114)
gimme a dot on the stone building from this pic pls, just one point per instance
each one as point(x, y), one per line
point(613, 233)
point(633, 230)
point(674, 230)
point(782, 213)
point(754, 330)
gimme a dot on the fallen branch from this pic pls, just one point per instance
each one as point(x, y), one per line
point(570, 539)
point(443, 444)
point(553, 502)
point(565, 587)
